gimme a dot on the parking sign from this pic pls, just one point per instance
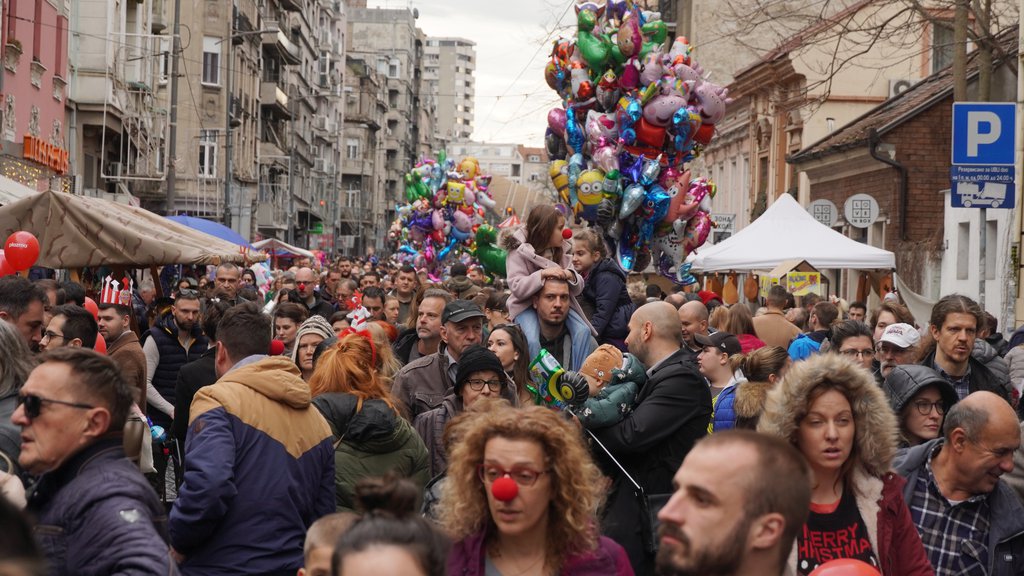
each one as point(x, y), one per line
point(983, 133)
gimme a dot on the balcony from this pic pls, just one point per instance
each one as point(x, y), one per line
point(271, 216)
point(274, 100)
point(291, 5)
point(277, 45)
point(354, 167)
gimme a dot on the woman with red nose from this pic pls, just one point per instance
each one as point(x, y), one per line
point(522, 496)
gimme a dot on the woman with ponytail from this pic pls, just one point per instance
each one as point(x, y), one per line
point(370, 437)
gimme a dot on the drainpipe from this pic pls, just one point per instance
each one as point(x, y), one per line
point(873, 141)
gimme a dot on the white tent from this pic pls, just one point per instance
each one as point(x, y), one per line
point(787, 232)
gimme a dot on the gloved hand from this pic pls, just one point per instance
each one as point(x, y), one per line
point(606, 212)
point(573, 387)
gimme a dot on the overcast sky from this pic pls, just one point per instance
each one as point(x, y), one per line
point(513, 41)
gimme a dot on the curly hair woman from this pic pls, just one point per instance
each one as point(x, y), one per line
point(370, 437)
point(522, 498)
point(832, 411)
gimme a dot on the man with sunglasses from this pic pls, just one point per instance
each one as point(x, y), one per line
point(305, 285)
point(72, 410)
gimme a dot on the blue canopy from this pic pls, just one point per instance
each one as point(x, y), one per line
point(212, 228)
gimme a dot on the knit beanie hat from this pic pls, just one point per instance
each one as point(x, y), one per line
point(601, 362)
point(315, 324)
point(474, 359)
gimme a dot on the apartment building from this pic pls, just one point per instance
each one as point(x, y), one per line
point(448, 68)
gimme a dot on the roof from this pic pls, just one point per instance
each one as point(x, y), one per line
point(898, 109)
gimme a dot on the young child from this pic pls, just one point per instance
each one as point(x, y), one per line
point(614, 379)
point(320, 540)
point(536, 254)
point(604, 297)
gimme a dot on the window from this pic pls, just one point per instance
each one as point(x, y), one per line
point(211, 61)
point(382, 65)
point(164, 60)
point(352, 148)
point(351, 198)
point(394, 68)
point(534, 158)
point(942, 46)
point(324, 65)
point(208, 153)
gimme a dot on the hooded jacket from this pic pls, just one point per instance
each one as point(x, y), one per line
point(372, 441)
point(905, 381)
point(524, 268)
point(891, 531)
point(1006, 514)
point(604, 292)
point(260, 472)
point(989, 356)
point(748, 403)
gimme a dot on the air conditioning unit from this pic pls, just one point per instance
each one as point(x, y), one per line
point(115, 170)
point(897, 87)
point(322, 123)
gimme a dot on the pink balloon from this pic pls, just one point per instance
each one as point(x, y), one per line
point(556, 120)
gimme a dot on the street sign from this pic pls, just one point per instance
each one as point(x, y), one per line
point(981, 186)
point(824, 211)
point(983, 133)
point(861, 210)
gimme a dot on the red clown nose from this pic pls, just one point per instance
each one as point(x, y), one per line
point(567, 233)
point(504, 489)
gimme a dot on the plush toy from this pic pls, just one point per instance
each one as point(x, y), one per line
point(491, 257)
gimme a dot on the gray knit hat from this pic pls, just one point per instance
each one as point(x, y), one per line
point(315, 324)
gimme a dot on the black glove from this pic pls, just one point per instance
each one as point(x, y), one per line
point(573, 387)
point(606, 212)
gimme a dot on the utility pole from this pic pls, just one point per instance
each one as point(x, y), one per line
point(172, 147)
point(227, 121)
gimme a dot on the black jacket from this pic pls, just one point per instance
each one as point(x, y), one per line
point(321, 308)
point(404, 344)
point(191, 378)
point(606, 301)
point(172, 357)
point(981, 377)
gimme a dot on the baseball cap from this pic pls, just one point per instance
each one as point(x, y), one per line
point(901, 334)
point(723, 341)
point(601, 362)
point(459, 310)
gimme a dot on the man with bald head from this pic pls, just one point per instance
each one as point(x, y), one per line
point(672, 412)
point(970, 520)
point(693, 320)
point(305, 284)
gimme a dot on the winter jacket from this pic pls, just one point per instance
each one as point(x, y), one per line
point(191, 378)
point(672, 412)
point(749, 343)
point(723, 415)
point(805, 345)
point(468, 558)
point(462, 287)
point(748, 403)
point(981, 377)
point(404, 344)
point(1006, 520)
point(891, 531)
point(998, 342)
point(422, 384)
point(984, 352)
point(430, 426)
point(320, 307)
point(1015, 361)
point(372, 441)
point(172, 357)
point(524, 267)
point(97, 514)
point(605, 297)
point(773, 328)
point(127, 353)
point(260, 472)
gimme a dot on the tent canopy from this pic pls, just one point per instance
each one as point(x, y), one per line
point(785, 232)
point(78, 231)
point(280, 248)
point(212, 228)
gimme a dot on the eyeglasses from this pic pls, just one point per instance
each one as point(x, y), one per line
point(866, 353)
point(33, 404)
point(523, 476)
point(477, 384)
point(50, 335)
point(924, 407)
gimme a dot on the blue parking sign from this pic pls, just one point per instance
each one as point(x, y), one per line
point(983, 133)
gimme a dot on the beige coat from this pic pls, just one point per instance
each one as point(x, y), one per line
point(774, 329)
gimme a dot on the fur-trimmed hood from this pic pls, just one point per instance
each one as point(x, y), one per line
point(512, 237)
point(750, 399)
point(877, 430)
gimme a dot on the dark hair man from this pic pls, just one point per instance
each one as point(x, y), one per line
point(71, 325)
point(71, 412)
point(122, 343)
point(954, 326)
point(22, 305)
point(822, 316)
point(371, 278)
point(552, 304)
point(329, 287)
point(405, 290)
point(423, 338)
point(724, 518)
point(772, 327)
point(858, 311)
point(260, 459)
point(373, 301)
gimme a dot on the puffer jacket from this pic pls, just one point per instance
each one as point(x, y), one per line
point(97, 514)
point(723, 416)
point(260, 472)
point(885, 515)
point(605, 297)
point(372, 441)
point(986, 354)
point(524, 267)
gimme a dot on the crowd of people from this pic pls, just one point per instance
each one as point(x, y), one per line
point(360, 416)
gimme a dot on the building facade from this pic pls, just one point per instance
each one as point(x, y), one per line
point(363, 210)
point(448, 68)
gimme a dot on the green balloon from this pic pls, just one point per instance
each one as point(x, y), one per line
point(491, 257)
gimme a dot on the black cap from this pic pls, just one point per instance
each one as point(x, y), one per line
point(459, 310)
point(723, 341)
point(458, 269)
point(475, 359)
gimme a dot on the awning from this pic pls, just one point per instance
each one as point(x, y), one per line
point(212, 228)
point(280, 248)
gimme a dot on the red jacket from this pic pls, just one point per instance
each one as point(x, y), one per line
point(749, 342)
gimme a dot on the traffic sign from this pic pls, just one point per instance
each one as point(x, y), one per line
point(981, 186)
point(983, 133)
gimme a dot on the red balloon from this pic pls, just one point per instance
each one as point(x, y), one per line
point(505, 489)
point(22, 250)
point(845, 567)
point(91, 306)
point(5, 267)
point(101, 344)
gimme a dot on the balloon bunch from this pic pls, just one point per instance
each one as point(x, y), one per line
point(445, 204)
point(634, 111)
point(20, 252)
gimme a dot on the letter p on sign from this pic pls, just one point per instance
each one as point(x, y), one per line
point(983, 133)
point(982, 128)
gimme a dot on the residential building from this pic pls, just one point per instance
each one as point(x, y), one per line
point(363, 214)
point(33, 135)
point(449, 65)
point(496, 159)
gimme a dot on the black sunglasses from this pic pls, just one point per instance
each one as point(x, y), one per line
point(33, 404)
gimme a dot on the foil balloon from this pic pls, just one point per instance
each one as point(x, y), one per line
point(606, 158)
point(632, 197)
point(491, 257)
point(556, 121)
point(697, 230)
